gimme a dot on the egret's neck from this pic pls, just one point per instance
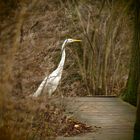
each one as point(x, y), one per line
point(63, 45)
point(62, 61)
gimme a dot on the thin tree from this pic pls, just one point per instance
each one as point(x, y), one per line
point(137, 41)
point(131, 91)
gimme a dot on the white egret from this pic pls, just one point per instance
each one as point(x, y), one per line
point(50, 83)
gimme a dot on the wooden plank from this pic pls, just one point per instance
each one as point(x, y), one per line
point(115, 117)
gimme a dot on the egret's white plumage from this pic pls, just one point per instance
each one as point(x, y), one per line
point(50, 83)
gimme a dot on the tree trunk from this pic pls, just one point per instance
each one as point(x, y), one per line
point(130, 92)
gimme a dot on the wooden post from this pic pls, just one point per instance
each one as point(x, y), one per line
point(137, 123)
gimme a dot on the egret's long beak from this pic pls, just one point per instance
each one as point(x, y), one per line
point(75, 40)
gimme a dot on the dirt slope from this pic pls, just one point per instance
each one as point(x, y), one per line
point(42, 32)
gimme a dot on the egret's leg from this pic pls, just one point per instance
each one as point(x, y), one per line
point(62, 100)
point(61, 95)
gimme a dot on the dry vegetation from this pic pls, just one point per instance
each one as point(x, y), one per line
point(30, 40)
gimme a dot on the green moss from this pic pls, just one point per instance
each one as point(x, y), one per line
point(137, 131)
point(130, 92)
point(127, 96)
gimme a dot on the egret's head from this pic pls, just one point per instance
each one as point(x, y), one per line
point(69, 41)
point(72, 40)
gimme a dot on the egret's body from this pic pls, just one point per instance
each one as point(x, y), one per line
point(50, 83)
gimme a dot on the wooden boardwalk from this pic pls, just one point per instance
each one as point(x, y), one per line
point(115, 117)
